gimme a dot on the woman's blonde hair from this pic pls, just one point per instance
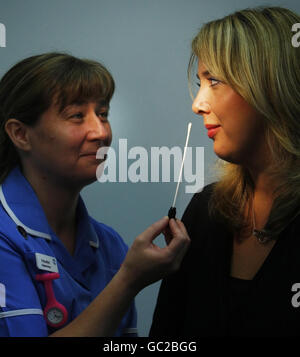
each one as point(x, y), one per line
point(251, 51)
point(29, 88)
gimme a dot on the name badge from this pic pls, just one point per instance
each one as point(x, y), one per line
point(46, 262)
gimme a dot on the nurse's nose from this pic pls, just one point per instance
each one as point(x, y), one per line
point(97, 128)
point(200, 106)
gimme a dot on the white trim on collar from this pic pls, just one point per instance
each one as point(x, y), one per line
point(17, 221)
point(94, 244)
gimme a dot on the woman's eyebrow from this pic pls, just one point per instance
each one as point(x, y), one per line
point(203, 74)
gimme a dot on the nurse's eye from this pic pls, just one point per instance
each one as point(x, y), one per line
point(78, 115)
point(103, 116)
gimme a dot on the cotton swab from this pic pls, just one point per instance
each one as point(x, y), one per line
point(172, 210)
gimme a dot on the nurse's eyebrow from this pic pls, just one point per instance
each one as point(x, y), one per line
point(103, 104)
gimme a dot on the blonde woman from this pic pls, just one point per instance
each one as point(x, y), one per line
point(241, 272)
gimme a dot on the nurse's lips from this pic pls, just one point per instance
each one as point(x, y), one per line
point(89, 154)
point(212, 129)
point(93, 154)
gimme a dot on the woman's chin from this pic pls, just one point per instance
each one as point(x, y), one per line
point(227, 156)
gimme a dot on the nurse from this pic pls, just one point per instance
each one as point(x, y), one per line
point(61, 272)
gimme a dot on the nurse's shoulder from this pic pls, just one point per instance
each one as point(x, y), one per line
point(11, 233)
point(110, 241)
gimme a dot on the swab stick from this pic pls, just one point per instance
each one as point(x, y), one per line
point(172, 210)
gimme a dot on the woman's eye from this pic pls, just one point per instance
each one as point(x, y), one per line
point(213, 81)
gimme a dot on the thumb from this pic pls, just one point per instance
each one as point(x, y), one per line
point(180, 240)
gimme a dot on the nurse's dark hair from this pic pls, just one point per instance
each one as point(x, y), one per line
point(30, 87)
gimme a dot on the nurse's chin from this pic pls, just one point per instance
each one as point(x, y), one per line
point(85, 179)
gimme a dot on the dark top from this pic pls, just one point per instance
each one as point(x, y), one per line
point(201, 299)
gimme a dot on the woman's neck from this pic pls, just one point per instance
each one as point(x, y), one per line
point(264, 194)
point(264, 185)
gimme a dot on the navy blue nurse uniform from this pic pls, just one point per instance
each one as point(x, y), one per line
point(26, 240)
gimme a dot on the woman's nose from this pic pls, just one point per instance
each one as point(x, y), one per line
point(200, 106)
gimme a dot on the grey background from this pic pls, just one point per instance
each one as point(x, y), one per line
point(146, 46)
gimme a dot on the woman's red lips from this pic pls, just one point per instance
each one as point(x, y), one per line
point(211, 126)
point(212, 130)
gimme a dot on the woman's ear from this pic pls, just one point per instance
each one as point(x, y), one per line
point(18, 133)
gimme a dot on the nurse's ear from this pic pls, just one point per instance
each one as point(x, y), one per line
point(18, 133)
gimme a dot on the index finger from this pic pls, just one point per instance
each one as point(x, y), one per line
point(155, 229)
